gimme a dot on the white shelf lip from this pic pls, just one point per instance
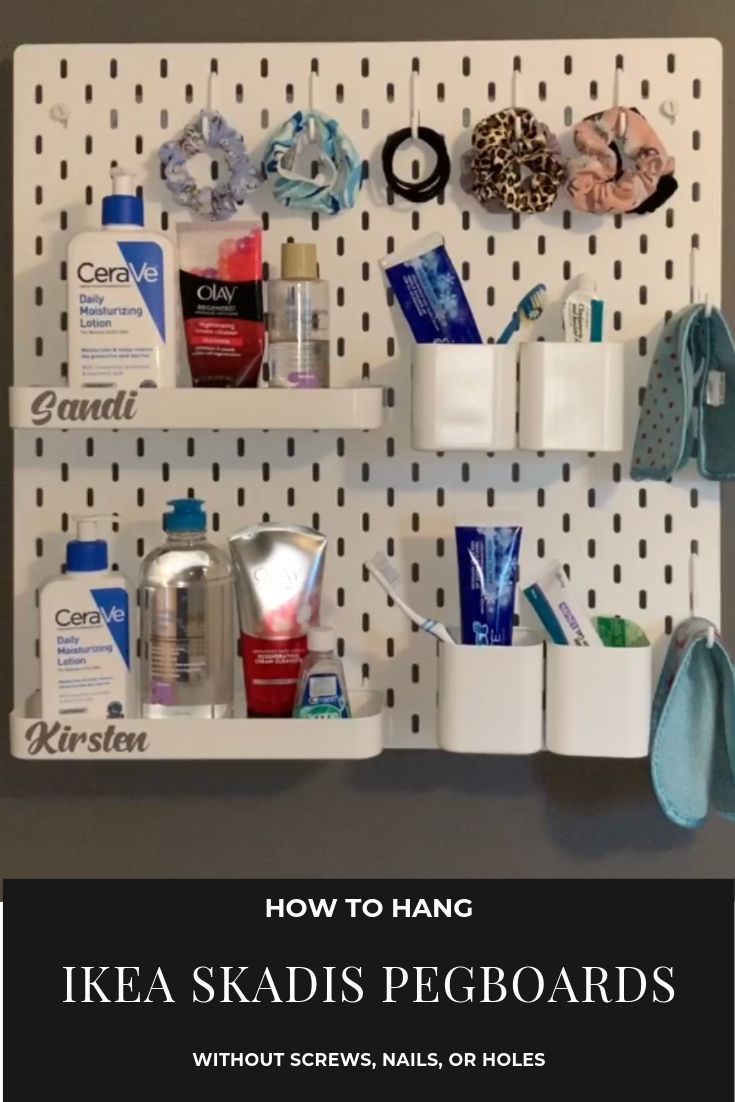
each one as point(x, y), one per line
point(84, 738)
point(90, 408)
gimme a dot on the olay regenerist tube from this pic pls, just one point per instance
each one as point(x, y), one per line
point(221, 285)
point(278, 580)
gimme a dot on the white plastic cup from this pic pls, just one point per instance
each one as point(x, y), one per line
point(572, 396)
point(491, 698)
point(464, 397)
point(598, 701)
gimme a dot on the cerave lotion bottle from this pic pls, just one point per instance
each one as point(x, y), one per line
point(85, 633)
point(121, 298)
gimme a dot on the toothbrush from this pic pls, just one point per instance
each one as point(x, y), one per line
point(388, 577)
point(530, 308)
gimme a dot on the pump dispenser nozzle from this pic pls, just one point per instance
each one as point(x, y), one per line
point(123, 181)
point(123, 207)
point(86, 529)
point(87, 551)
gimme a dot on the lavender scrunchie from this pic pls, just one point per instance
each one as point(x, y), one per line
point(221, 201)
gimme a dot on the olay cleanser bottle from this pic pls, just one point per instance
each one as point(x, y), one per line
point(121, 298)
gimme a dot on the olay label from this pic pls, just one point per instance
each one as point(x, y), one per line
point(271, 668)
point(224, 328)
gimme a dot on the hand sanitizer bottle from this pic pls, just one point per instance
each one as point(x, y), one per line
point(122, 299)
point(321, 693)
point(85, 633)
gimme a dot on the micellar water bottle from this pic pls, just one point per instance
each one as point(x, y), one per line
point(186, 614)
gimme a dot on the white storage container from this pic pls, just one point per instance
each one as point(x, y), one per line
point(464, 397)
point(598, 701)
point(572, 396)
point(491, 698)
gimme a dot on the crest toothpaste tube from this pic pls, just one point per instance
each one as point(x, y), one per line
point(430, 293)
point(488, 571)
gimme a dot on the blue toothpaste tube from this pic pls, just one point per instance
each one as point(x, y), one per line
point(430, 293)
point(563, 618)
point(488, 571)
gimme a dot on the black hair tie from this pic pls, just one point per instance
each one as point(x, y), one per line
point(417, 191)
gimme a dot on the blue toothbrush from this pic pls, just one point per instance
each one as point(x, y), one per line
point(530, 308)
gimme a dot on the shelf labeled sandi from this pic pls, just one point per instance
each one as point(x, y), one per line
point(339, 408)
point(80, 738)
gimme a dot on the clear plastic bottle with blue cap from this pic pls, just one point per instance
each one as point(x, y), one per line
point(121, 286)
point(187, 621)
point(85, 633)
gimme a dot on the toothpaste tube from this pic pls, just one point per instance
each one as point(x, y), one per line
point(488, 571)
point(278, 581)
point(582, 313)
point(554, 603)
point(430, 293)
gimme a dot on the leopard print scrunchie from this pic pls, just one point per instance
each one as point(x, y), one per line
point(493, 167)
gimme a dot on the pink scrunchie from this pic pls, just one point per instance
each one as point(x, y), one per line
point(595, 182)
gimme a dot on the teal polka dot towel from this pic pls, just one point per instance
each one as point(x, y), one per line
point(688, 408)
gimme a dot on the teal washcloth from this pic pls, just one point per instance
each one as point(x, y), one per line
point(689, 404)
point(693, 728)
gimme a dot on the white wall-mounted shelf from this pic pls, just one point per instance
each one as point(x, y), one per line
point(341, 408)
point(69, 738)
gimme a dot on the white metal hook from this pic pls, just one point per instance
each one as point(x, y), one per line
point(617, 82)
point(694, 592)
point(694, 275)
point(414, 105)
point(211, 103)
point(695, 290)
point(60, 112)
point(670, 109)
point(312, 104)
point(514, 83)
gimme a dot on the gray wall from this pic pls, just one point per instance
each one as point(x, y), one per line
point(417, 814)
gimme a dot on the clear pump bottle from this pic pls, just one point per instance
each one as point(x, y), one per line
point(186, 621)
point(298, 321)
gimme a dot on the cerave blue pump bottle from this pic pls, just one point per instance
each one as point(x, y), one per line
point(85, 633)
point(121, 298)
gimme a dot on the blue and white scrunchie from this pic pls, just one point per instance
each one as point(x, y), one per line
point(222, 200)
point(339, 170)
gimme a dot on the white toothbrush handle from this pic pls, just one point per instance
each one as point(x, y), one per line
point(431, 626)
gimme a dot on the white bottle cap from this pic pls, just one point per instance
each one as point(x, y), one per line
point(321, 639)
point(586, 282)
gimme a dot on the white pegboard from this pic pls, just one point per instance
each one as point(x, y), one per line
point(627, 545)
